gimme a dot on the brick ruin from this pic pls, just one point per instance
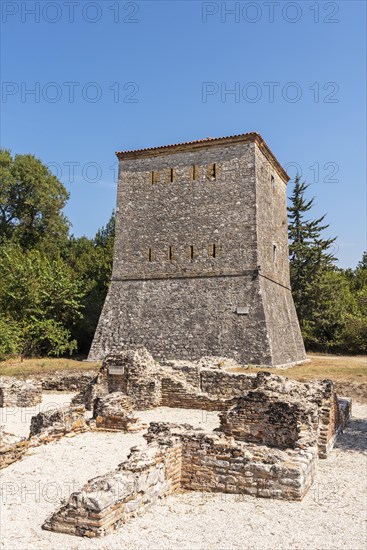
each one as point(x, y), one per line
point(279, 405)
point(55, 423)
point(179, 457)
point(271, 434)
point(12, 448)
point(111, 412)
point(65, 381)
point(19, 393)
point(114, 412)
point(201, 255)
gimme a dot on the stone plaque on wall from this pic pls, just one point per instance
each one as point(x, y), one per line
point(242, 310)
point(119, 370)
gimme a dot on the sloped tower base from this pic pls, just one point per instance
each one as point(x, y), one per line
point(246, 317)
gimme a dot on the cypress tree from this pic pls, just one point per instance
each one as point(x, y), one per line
point(310, 254)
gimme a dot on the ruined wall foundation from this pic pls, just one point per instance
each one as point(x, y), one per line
point(181, 457)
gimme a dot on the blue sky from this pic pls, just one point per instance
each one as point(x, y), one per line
point(116, 75)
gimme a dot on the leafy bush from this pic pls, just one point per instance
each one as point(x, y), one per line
point(42, 299)
point(47, 337)
point(10, 337)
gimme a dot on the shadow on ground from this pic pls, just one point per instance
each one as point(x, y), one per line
point(354, 437)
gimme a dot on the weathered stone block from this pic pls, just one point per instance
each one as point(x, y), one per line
point(19, 393)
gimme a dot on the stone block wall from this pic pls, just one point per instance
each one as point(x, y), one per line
point(194, 223)
point(56, 423)
point(181, 457)
point(217, 464)
point(69, 381)
point(185, 319)
point(176, 394)
point(107, 502)
point(12, 448)
point(225, 384)
point(19, 393)
point(114, 412)
point(268, 419)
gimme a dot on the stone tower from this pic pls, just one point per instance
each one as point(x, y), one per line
point(201, 255)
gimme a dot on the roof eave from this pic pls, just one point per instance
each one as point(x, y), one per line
point(252, 137)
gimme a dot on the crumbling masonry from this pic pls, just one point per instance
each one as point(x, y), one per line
point(272, 432)
point(201, 255)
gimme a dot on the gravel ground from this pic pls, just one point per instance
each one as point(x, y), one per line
point(17, 420)
point(331, 516)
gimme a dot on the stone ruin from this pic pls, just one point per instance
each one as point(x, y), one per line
point(12, 447)
point(46, 427)
point(52, 424)
point(65, 381)
point(275, 402)
point(114, 412)
point(179, 457)
point(19, 393)
point(16, 393)
point(271, 435)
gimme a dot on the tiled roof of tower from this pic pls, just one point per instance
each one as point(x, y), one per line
point(202, 143)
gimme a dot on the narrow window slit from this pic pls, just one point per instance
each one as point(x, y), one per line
point(212, 171)
point(214, 251)
point(172, 174)
point(155, 176)
point(191, 252)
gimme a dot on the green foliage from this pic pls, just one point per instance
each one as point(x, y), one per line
point(309, 253)
point(331, 303)
point(43, 296)
point(354, 336)
point(46, 337)
point(10, 337)
point(31, 203)
point(91, 259)
point(53, 286)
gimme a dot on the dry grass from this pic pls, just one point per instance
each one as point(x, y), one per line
point(30, 367)
point(335, 367)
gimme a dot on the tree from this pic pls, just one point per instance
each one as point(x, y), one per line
point(331, 306)
point(331, 303)
point(310, 253)
point(91, 259)
point(10, 336)
point(40, 301)
point(354, 337)
point(31, 203)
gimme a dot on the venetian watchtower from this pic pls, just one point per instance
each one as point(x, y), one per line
point(201, 255)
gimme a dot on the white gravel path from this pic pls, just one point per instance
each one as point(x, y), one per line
point(332, 515)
